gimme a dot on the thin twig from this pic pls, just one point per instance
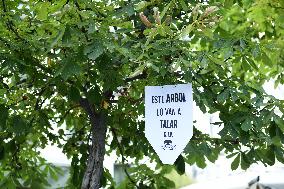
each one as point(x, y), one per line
point(81, 19)
point(37, 105)
point(67, 112)
point(143, 75)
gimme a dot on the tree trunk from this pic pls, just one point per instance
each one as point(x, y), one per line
point(94, 169)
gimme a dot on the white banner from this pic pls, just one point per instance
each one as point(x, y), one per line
point(168, 119)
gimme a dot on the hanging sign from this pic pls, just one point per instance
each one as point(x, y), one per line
point(168, 119)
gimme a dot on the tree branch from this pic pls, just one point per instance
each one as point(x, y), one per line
point(9, 23)
point(67, 112)
point(143, 75)
point(81, 19)
point(86, 105)
point(122, 157)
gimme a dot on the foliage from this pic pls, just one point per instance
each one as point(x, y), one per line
point(54, 53)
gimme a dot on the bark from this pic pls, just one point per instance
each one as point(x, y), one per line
point(94, 169)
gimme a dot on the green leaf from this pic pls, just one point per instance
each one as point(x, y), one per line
point(180, 165)
point(228, 53)
point(183, 5)
point(200, 161)
point(256, 51)
point(251, 63)
point(36, 184)
point(225, 26)
point(245, 65)
point(270, 156)
point(69, 69)
point(8, 183)
point(228, 3)
point(141, 5)
point(74, 94)
point(138, 71)
point(186, 31)
point(244, 161)
point(55, 40)
point(129, 10)
point(43, 119)
point(94, 95)
point(276, 141)
point(279, 122)
point(66, 38)
point(42, 10)
point(223, 96)
point(266, 60)
point(204, 148)
point(53, 173)
point(216, 60)
point(242, 44)
point(235, 164)
point(246, 125)
point(279, 155)
point(2, 92)
point(95, 50)
point(165, 10)
point(232, 155)
point(214, 155)
point(18, 125)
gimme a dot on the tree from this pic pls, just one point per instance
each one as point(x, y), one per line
point(84, 64)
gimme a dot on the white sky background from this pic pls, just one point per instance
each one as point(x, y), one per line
point(277, 93)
